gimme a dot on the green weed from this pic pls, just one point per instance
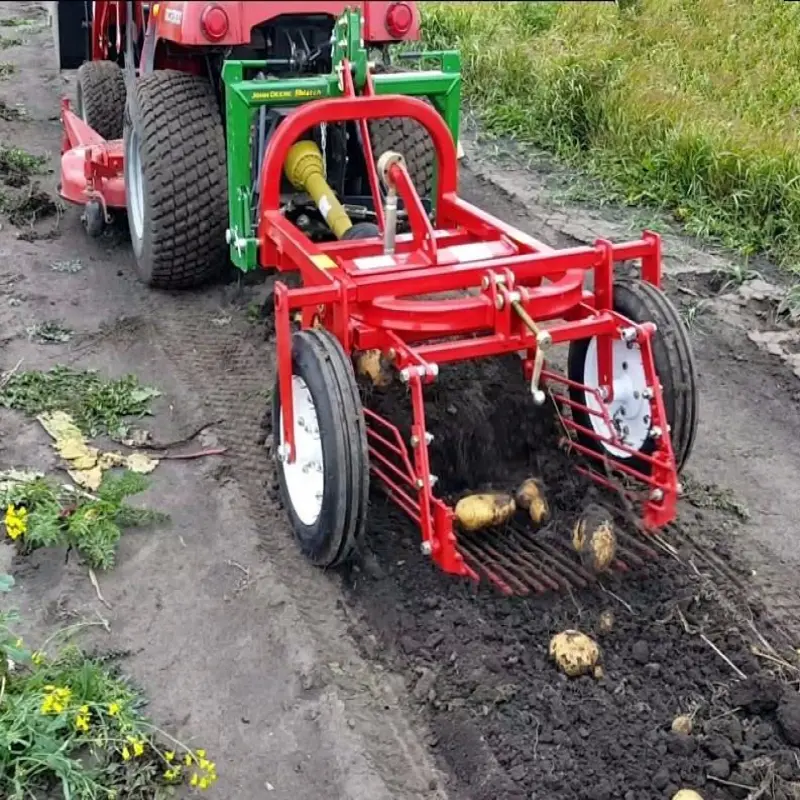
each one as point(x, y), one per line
point(40, 513)
point(17, 166)
point(97, 405)
point(689, 106)
point(71, 726)
point(9, 41)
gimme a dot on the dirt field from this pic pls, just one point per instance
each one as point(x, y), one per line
point(393, 681)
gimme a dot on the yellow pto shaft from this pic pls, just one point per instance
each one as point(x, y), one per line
point(304, 169)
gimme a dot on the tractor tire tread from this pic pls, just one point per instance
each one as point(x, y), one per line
point(181, 129)
point(101, 97)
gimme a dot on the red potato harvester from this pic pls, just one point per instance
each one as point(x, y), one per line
point(398, 277)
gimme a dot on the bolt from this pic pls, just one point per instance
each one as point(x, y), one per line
point(656, 432)
point(405, 375)
point(419, 483)
point(434, 480)
point(425, 548)
point(282, 453)
point(228, 236)
point(415, 441)
point(657, 495)
point(539, 397)
point(629, 334)
point(433, 369)
point(428, 437)
point(647, 393)
point(679, 489)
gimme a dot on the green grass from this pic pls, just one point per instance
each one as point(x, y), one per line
point(690, 105)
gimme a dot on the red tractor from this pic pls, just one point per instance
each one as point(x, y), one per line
point(150, 89)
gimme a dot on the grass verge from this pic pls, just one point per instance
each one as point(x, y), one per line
point(70, 726)
point(689, 105)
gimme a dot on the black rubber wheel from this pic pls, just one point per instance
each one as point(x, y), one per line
point(411, 140)
point(175, 180)
point(639, 302)
point(101, 97)
point(329, 524)
point(362, 230)
point(93, 219)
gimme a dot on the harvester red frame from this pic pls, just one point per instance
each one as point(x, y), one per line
point(360, 295)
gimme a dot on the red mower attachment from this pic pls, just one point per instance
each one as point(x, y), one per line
point(627, 402)
point(91, 171)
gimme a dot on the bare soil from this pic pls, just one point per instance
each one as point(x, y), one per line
point(393, 680)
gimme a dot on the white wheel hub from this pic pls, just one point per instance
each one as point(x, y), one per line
point(305, 478)
point(629, 410)
point(134, 185)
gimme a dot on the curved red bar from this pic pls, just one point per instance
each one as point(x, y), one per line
point(344, 109)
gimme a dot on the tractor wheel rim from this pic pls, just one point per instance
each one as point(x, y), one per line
point(629, 410)
point(134, 185)
point(305, 478)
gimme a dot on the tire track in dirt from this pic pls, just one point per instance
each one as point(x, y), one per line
point(233, 371)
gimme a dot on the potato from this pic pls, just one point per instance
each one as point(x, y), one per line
point(683, 724)
point(371, 364)
point(687, 794)
point(605, 622)
point(575, 653)
point(477, 511)
point(530, 496)
point(593, 538)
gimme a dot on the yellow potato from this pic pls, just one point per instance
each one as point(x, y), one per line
point(605, 622)
point(530, 496)
point(477, 511)
point(372, 365)
point(575, 653)
point(593, 538)
point(683, 724)
point(687, 794)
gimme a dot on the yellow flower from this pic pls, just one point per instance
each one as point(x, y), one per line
point(169, 756)
point(56, 699)
point(113, 709)
point(172, 774)
point(126, 754)
point(16, 521)
point(137, 745)
point(195, 780)
point(82, 719)
point(38, 658)
point(18, 643)
point(203, 783)
point(187, 759)
point(201, 753)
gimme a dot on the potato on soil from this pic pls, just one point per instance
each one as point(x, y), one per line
point(683, 724)
point(371, 364)
point(605, 622)
point(478, 511)
point(530, 496)
point(687, 794)
point(594, 540)
point(575, 653)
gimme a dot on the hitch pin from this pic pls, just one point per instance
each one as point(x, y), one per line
point(543, 341)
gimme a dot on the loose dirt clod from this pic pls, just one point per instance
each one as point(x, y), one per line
point(32, 206)
point(575, 653)
point(605, 622)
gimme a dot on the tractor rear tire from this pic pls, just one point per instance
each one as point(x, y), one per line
point(101, 97)
point(175, 180)
point(640, 301)
point(411, 140)
point(327, 493)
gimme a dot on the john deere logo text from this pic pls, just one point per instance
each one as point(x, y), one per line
point(287, 94)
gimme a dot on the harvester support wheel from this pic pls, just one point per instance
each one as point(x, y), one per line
point(100, 101)
point(640, 302)
point(326, 489)
point(175, 180)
